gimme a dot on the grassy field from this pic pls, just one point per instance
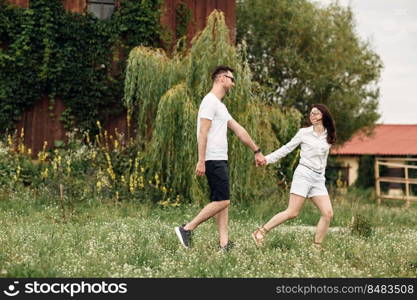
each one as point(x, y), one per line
point(103, 239)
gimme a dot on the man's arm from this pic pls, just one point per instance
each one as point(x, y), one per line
point(244, 136)
point(205, 125)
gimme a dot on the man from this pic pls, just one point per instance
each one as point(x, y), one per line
point(212, 123)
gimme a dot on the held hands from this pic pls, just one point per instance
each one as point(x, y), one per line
point(260, 159)
point(200, 169)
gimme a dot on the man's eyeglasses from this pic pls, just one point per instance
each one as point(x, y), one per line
point(231, 78)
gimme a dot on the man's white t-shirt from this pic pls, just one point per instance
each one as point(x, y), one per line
point(213, 109)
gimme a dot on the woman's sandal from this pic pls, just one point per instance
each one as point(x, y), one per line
point(317, 245)
point(259, 241)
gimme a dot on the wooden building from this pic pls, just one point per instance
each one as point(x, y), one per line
point(36, 121)
point(394, 149)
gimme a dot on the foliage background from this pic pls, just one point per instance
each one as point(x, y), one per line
point(305, 54)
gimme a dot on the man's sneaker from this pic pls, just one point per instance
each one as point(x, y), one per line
point(228, 246)
point(183, 235)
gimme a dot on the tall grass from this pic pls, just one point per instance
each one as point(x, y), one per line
point(137, 240)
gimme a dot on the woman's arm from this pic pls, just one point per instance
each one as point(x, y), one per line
point(284, 150)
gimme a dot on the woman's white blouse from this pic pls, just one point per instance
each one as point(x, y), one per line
point(314, 149)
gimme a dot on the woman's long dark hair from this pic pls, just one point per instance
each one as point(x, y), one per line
point(328, 122)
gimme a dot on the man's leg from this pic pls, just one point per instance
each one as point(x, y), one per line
point(218, 180)
point(207, 212)
point(222, 219)
point(211, 209)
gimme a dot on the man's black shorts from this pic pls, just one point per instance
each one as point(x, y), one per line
point(217, 174)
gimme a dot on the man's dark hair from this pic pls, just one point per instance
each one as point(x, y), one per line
point(220, 70)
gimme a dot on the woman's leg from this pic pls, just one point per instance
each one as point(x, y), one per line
point(325, 206)
point(294, 206)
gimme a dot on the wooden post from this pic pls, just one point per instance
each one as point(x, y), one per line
point(377, 187)
point(407, 187)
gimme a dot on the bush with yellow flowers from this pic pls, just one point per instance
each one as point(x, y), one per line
point(102, 167)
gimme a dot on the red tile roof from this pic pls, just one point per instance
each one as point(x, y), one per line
point(385, 140)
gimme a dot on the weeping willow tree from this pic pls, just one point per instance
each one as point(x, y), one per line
point(149, 75)
point(163, 95)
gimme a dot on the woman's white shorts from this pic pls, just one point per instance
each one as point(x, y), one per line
point(307, 183)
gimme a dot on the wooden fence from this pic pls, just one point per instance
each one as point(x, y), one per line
point(407, 181)
point(42, 124)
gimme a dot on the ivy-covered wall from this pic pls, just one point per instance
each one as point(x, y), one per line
point(47, 51)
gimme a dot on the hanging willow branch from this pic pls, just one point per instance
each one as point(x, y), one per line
point(149, 74)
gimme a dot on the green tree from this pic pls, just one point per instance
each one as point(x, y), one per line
point(305, 54)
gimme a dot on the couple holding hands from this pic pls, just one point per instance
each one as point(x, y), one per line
point(308, 179)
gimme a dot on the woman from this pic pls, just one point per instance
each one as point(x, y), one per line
point(308, 179)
